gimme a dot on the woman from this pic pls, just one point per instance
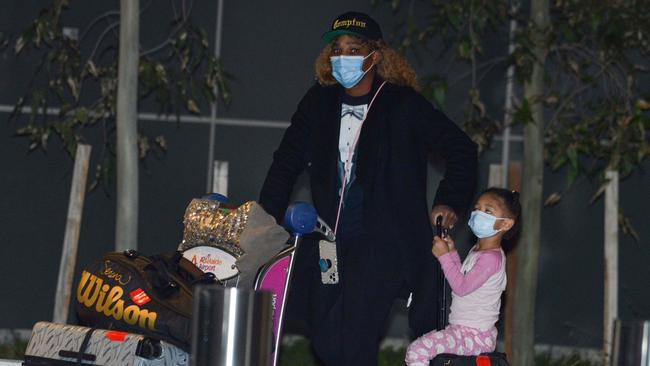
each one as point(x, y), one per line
point(363, 123)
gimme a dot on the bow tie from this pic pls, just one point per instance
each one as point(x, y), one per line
point(355, 110)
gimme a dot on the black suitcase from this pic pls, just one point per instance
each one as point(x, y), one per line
point(484, 359)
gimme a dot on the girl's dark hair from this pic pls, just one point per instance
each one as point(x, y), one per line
point(511, 202)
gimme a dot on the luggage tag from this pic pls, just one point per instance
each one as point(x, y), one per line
point(328, 262)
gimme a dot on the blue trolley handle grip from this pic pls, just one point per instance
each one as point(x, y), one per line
point(300, 219)
point(216, 197)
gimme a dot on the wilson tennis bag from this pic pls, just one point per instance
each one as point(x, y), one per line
point(485, 359)
point(134, 293)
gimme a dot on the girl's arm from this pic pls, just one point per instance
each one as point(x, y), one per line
point(487, 264)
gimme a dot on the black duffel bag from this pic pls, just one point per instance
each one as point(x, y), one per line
point(134, 293)
point(484, 359)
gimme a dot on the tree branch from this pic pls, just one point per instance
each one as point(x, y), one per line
point(568, 99)
point(490, 63)
point(100, 39)
point(172, 33)
point(96, 20)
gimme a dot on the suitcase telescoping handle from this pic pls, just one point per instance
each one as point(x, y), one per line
point(81, 355)
point(73, 354)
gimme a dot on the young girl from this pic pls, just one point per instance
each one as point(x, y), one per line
point(476, 285)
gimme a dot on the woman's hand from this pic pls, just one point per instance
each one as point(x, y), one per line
point(448, 214)
point(442, 246)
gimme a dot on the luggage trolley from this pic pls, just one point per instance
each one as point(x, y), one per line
point(227, 261)
point(215, 240)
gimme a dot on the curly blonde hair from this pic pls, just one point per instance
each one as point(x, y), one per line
point(392, 66)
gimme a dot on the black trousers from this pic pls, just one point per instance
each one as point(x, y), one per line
point(344, 322)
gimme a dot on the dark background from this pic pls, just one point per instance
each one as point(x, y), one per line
point(270, 48)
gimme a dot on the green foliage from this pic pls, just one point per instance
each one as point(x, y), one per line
point(596, 54)
point(79, 78)
point(391, 356)
point(545, 359)
point(297, 353)
point(13, 349)
point(459, 30)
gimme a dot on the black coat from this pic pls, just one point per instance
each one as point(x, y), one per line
point(401, 129)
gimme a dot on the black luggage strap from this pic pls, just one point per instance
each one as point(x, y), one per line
point(80, 355)
point(207, 277)
point(84, 345)
point(160, 277)
point(176, 258)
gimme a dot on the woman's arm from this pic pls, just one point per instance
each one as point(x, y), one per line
point(443, 137)
point(288, 160)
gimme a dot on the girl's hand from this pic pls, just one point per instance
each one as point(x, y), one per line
point(450, 243)
point(440, 247)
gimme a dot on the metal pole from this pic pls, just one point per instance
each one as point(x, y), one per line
point(126, 227)
point(72, 229)
point(278, 337)
point(231, 327)
point(213, 107)
point(611, 262)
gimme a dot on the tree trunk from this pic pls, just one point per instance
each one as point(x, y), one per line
point(514, 182)
point(126, 227)
point(71, 237)
point(531, 201)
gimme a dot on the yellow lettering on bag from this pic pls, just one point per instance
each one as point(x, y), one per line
point(94, 283)
point(131, 314)
point(93, 293)
point(113, 298)
point(145, 316)
point(118, 310)
point(82, 282)
point(101, 301)
point(114, 275)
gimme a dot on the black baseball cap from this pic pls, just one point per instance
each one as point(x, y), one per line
point(355, 24)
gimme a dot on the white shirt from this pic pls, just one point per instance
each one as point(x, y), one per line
point(350, 126)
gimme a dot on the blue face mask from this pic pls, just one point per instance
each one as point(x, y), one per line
point(348, 70)
point(482, 224)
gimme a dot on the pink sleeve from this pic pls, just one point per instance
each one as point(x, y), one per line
point(487, 264)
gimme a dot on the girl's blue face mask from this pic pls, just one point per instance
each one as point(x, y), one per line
point(348, 70)
point(482, 224)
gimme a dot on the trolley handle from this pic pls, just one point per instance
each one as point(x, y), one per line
point(301, 219)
